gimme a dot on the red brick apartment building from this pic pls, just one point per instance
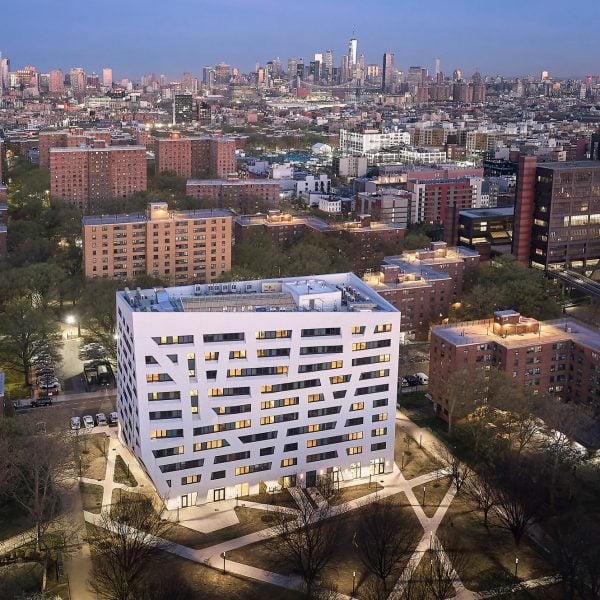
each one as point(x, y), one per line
point(422, 284)
point(85, 177)
point(200, 157)
point(184, 247)
point(560, 357)
point(367, 237)
point(245, 195)
point(69, 138)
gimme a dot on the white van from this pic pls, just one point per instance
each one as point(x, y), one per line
point(423, 378)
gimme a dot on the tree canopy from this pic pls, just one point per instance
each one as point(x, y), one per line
point(504, 284)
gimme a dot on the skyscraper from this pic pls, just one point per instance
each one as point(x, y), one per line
point(107, 77)
point(208, 76)
point(56, 82)
point(4, 69)
point(388, 71)
point(438, 70)
point(329, 65)
point(292, 68)
point(78, 81)
point(352, 48)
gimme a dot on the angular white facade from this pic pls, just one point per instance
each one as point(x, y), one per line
point(229, 389)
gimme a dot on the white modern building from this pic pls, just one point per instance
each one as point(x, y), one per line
point(313, 183)
point(359, 143)
point(230, 389)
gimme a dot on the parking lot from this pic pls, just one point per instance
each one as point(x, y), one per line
point(413, 359)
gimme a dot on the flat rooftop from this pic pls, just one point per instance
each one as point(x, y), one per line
point(339, 292)
point(475, 213)
point(567, 166)
point(240, 182)
point(480, 332)
point(103, 149)
point(206, 213)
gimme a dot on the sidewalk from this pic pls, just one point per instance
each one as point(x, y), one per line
point(12, 543)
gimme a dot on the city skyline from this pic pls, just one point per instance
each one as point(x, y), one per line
point(161, 41)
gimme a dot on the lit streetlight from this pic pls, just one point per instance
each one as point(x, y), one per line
point(353, 582)
point(516, 566)
point(73, 320)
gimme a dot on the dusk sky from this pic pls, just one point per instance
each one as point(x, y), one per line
point(511, 37)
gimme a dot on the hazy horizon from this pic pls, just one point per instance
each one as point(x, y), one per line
point(134, 38)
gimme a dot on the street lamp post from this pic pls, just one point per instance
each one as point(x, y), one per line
point(73, 320)
point(516, 566)
point(224, 555)
point(423, 495)
point(430, 539)
point(353, 582)
point(402, 467)
point(420, 439)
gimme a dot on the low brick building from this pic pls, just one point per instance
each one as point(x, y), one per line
point(560, 357)
point(243, 195)
point(423, 284)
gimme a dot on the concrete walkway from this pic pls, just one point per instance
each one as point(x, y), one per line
point(16, 541)
point(215, 556)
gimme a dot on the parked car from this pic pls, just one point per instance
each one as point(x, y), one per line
point(53, 385)
point(45, 371)
point(422, 378)
point(42, 401)
point(113, 418)
point(75, 423)
point(403, 382)
point(88, 421)
point(101, 419)
point(412, 381)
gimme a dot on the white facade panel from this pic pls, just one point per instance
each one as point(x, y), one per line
point(253, 396)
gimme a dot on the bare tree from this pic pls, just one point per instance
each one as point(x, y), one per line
point(445, 559)
point(574, 554)
point(306, 544)
point(126, 546)
point(519, 502)
point(34, 466)
point(458, 470)
point(557, 441)
point(385, 536)
point(329, 488)
point(481, 487)
point(465, 390)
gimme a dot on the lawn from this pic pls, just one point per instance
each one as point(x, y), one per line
point(491, 551)
point(346, 560)
point(123, 474)
point(280, 498)
point(346, 494)
point(91, 497)
point(434, 494)
point(93, 455)
point(212, 583)
point(417, 461)
point(13, 521)
point(250, 520)
point(18, 579)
